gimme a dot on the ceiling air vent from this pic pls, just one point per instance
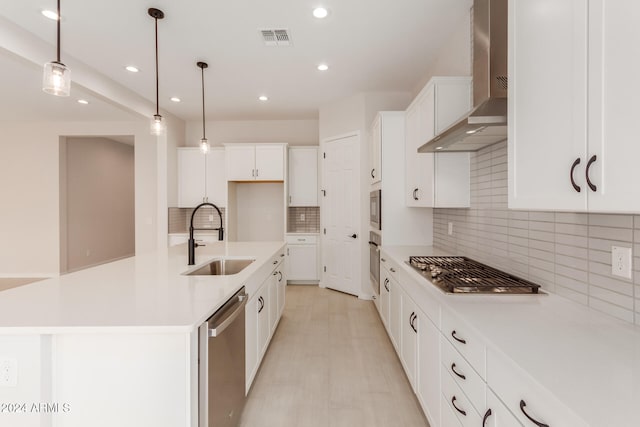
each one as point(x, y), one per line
point(276, 37)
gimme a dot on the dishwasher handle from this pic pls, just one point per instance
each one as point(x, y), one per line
point(228, 320)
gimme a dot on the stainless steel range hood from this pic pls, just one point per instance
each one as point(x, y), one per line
point(486, 123)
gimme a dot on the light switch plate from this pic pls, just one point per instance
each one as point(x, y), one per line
point(621, 261)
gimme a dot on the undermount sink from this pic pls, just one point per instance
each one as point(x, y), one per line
point(222, 267)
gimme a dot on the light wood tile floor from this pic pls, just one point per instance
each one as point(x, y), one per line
point(330, 364)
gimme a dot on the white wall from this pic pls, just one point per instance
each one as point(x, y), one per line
point(293, 132)
point(29, 185)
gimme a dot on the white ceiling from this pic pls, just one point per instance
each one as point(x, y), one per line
point(369, 45)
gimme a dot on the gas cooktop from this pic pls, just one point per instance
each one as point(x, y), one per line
point(458, 274)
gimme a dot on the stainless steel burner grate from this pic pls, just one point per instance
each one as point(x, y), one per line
point(458, 274)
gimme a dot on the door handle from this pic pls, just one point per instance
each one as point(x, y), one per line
point(214, 332)
point(591, 185)
point(573, 183)
point(354, 236)
point(373, 175)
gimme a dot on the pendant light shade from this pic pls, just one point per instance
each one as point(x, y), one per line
point(56, 79)
point(158, 125)
point(204, 142)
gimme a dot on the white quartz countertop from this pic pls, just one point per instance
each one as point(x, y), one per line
point(145, 293)
point(588, 360)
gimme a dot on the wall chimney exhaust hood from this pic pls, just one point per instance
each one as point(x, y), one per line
point(486, 123)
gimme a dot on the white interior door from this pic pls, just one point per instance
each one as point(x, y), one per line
point(341, 214)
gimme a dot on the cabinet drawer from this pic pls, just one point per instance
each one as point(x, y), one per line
point(463, 374)
point(496, 414)
point(390, 265)
point(524, 397)
point(301, 239)
point(466, 341)
point(459, 403)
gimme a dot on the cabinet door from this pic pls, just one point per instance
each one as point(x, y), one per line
point(376, 149)
point(384, 299)
point(251, 339)
point(614, 88)
point(216, 190)
point(409, 327)
point(302, 262)
point(270, 162)
point(428, 369)
point(264, 329)
point(240, 162)
point(497, 415)
point(418, 166)
point(395, 314)
point(303, 176)
point(282, 288)
point(547, 104)
point(274, 314)
point(191, 177)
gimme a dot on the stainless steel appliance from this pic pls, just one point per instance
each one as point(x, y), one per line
point(222, 360)
point(375, 209)
point(374, 261)
point(486, 123)
point(458, 274)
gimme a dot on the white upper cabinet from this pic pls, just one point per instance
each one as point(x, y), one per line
point(201, 177)
point(262, 162)
point(303, 176)
point(442, 101)
point(375, 149)
point(572, 83)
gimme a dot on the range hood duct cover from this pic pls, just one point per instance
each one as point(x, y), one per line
point(486, 123)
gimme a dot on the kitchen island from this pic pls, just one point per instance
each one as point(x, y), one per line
point(116, 344)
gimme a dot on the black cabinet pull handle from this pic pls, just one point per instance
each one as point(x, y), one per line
point(539, 424)
point(453, 402)
point(261, 301)
point(591, 185)
point(373, 175)
point(280, 273)
point(386, 284)
point(413, 324)
point(415, 196)
point(460, 340)
point(275, 262)
point(383, 260)
point(486, 417)
point(453, 369)
point(392, 270)
point(573, 182)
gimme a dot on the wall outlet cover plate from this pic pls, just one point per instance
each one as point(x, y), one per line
point(621, 261)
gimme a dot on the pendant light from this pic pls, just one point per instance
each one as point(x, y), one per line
point(56, 79)
point(204, 143)
point(158, 126)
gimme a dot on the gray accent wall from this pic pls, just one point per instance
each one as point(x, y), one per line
point(567, 253)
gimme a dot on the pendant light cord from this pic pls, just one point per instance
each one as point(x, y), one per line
point(59, 19)
point(157, 78)
point(204, 134)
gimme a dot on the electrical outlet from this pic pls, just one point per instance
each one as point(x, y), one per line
point(8, 372)
point(450, 231)
point(621, 261)
point(302, 217)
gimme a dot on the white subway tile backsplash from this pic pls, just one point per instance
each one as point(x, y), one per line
point(568, 253)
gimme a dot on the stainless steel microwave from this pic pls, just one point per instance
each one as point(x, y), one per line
point(375, 209)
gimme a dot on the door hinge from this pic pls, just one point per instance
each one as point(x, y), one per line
point(325, 268)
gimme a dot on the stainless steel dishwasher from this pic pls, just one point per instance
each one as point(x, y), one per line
point(222, 364)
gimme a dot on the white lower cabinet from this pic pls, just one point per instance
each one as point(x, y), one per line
point(383, 305)
point(497, 415)
point(409, 330)
point(428, 369)
point(302, 254)
point(459, 402)
point(395, 313)
point(262, 313)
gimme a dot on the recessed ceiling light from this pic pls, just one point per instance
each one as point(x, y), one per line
point(83, 101)
point(50, 14)
point(175, 99)
point(439, 148)
point(131, 68)
point(320, 12)
point(263, 98)
point(323, 67)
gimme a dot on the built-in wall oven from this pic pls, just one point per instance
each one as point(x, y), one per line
point(375, 209)
point(374, 261)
